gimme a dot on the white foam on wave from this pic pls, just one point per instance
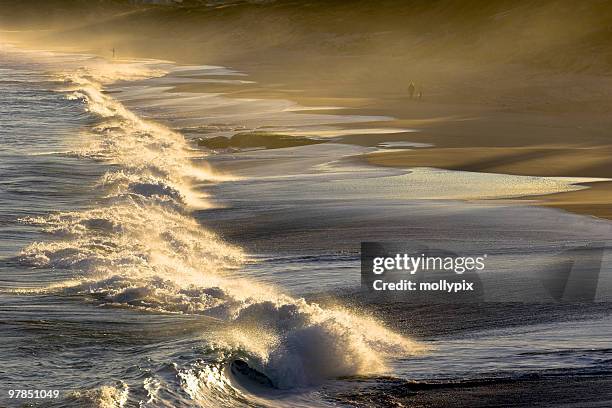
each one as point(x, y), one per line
point(141, 248)
point(103, 397)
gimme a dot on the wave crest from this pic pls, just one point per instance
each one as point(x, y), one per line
point(141, 248)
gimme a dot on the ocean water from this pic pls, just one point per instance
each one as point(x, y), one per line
point(120, 295)
point(127, 280)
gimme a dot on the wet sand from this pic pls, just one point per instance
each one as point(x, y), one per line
point(526, 161)
point(504, 135)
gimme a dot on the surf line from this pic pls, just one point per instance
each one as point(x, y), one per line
point(407, 285)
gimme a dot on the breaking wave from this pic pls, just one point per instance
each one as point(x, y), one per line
point(139, 247)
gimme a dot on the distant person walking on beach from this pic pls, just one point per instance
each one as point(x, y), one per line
point(411, 89)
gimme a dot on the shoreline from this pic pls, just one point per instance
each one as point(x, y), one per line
point(468, 130)
point(536, 161)
point(527, 143)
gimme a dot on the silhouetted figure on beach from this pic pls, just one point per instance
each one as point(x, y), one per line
point(113, 52)
point(411, 89)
